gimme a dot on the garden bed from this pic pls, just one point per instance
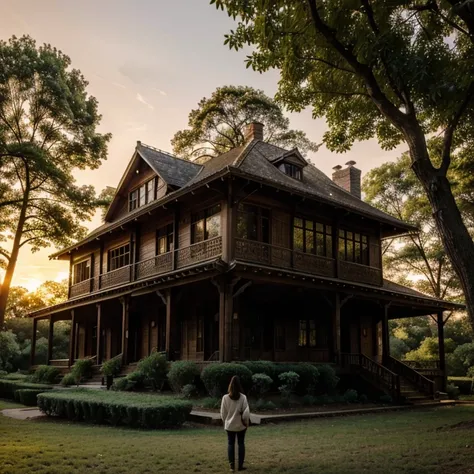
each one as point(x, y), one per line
point(114, 408)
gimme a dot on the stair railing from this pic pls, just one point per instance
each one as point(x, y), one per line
point(422, 383)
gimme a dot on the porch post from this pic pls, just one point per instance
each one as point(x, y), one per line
point(229, 311)
point(337, 328)
point(72, 340)
point(169, 302)
point(50, 339)
point(222, 305)
point(442, 357)
point(33, 342)
point(125, 313)
point(99, 334)
point(385, 334)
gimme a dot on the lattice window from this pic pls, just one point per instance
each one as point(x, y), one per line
point(82, 272)
point(353, 247)
point(253, 223)
point(119, 257)
point(144, 194)
point(312, 237)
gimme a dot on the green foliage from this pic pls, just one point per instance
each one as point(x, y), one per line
point(261, 367)
point(218, 124)
point(464, 384)
point(68, 380)
point(189, 390)
point(15, 376)
point(3, 373)
point(133, 381)
point(27, 396)
point(351, 396)
point(9, 387)
point(261, 384)
point(363, 398)
point(309, 400)
point(429, 349)
point(328, 379)
point(47, 131)
point(398, 348)
point(81, 370)
point(452, 391)
point(45, 374)
point(9, 350)
point(154, 368)
point(216, 377)
point(182, 373)
point(112, 367)
point(211, 402)
point(264, 405)
point(289, 381)
point(128, 409)
point(386, 399)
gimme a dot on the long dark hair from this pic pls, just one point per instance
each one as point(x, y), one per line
point(235, 388)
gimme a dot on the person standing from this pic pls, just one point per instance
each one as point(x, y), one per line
point(235, 414)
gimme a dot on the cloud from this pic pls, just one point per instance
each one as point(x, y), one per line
point(116, 84)
point(140, 98)
point(136, 127)
point(159, 91)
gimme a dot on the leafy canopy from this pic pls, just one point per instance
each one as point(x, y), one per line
point(218, 124)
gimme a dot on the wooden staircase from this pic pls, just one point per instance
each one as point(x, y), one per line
point(403, 383)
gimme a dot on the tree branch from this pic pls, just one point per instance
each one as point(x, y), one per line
point(5, 254)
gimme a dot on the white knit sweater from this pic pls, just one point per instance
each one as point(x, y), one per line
point(232, 412)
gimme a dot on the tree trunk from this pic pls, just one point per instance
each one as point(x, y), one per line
point(453, 232)
point(5, 288)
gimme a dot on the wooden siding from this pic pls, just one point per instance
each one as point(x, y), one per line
point(281, 228)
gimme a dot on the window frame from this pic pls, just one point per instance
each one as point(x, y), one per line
point(135, 194)
point(124, 255)
point(167, 232)
point(307, 333)
point(327, 234)
point(88, 263)
point(260, 218)
point(292, 170)
point(356, 240)
point(204, 216)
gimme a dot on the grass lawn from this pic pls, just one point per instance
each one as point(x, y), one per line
point(425, 441)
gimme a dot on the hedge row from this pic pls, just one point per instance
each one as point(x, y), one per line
point(463, 383)
point(9, 387)
point(27, 396)
point(129, 409)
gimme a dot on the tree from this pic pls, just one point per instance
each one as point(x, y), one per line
point(218, 124)
point(400, 71)
point(394, 188)
point(9, 349)
point(47, 130)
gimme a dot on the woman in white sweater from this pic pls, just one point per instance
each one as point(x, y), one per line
point(235, 414)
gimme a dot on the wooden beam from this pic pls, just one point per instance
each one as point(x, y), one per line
point(125, 320)
point(229, 308)
point(72, 340)
point(33, 342)
point(174, 255)
point(385, 334)
point(101, 263)
point(242, 289)
point(162, 297)
point(99, 334)
point(222, 323)
point(169, 303)
point(336, 319)
point(50, 339)
point(92, 274)
point(442, 355)
point(69, 277)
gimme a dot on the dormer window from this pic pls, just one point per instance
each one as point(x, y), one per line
point(292, 170)
point(142, 195)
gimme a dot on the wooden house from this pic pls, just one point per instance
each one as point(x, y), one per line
point(253, 254)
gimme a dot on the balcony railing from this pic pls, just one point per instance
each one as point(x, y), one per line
point(155, 265)
point(80, 288)
point(199, 252)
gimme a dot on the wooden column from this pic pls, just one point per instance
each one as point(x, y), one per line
point(92, 273)
point(229, 220)
point(222, 305)
point(442, 356)
point(72, 340)
point(101, 264)
point(385, 334)
point(174, 255)
point(33, 342)
point(125, 316)
point(168, 345)
point(69, 277)
point(337, 328)
point(50, 339)
point(335, 245)
point(99, 334)
point(229, 312)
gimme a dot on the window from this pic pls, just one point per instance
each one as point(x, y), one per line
point(206, 224)
point(293, 171)
point(353, 247)
point(307, 333)
point(119, 257)
point(164, 240)
point(253, 223)
point(82, 271)
point(199, 336)
point(280, 341)
point(312, 237)
point(145, 194)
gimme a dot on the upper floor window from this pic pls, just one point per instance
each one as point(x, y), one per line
point(206, 224)
point(118, 257)
point(312, 237)
point(294, 171)
point(82, 272)
point(142, 195)
point(164, 240)
point(253, 223)
point(353, 247)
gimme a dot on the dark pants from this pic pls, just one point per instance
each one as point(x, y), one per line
point(231, 435)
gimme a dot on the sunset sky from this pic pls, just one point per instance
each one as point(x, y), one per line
point(148, 63)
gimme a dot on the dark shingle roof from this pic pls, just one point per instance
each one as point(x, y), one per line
point(174, 171)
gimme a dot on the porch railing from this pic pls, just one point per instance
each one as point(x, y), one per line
point(115, 277)
point(155, 265)
point(422, 383)
point(80, 288)
point(423, 364)
point(199, 252)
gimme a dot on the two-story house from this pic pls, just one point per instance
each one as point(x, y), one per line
point(253, 254)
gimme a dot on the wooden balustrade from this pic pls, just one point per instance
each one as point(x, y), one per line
point(199, 252)
point(115, 277)
point(155, 265)
point(80, 288)
point(423, 364)
point(361, 273)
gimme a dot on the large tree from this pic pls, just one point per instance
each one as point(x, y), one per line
point(400, 71)
point(218, 124)
point(48, 130)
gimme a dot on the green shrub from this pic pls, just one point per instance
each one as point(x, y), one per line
point(463, 383)
point(189, 390)
point(211, 402)
point(182, 373)
point(309, 400)
point(363, 398)
point(216, 377)
point(289, 382)
point(3, 373)
point(385, 398)
point(262, 367)
point(261, 384)
point(327, 381)
point(154, 368)
point(27, 396)
point(351, 396)
point(82, 370)
point(45, 374)
point(452, 391)
point(326, 400)
point(129, 409)
point(9, 387)
point(264, 405)
point(112, 367)
point(15, 376)
point(68, 380)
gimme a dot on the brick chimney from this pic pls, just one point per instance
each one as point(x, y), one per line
point(254, 131)
point(348, 178)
